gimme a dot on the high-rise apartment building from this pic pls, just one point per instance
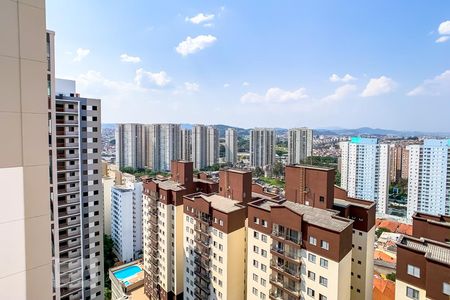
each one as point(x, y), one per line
point(185, 144)
point(429, 178)
point(25, 237)
point(231, 147)
point(214, 243)
point(318, 242)
point(262, 147)
point(300, 141)
point(212, 145)
point(76, 192)
point(199, 146)
point(130, 145)
point(126, 218)
point(365, 170)
point(423, 259)
point(162, 145)
point(163, 229)
point(398, 162)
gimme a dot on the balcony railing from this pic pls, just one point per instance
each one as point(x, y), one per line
point(284, 236)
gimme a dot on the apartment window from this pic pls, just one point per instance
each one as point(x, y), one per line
point(263, 253)
point(323, 281)
point(310, 292)
point(256, 235)
point(414, 271)
point(264, 223)
point(325, 245)
point(255, 263)
point(321, 199)
point(312, 258)
point(256, 220)
point(264, 238)
point(312, 240)
point(263, 268)
point(446, 288)
point(322, 297)
point(263, 282)
point(255, 291)
point(412, 293)
point(312, 275)
point(255, 277)
point(262, 296)
point(324, 263)
point(220, 222)
point(255, 249)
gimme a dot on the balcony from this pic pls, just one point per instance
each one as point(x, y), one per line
point(204, 242)
point(286, 269)
point(66, 246)
point(202, 262)
point(285, 252)
point(199, 250)
point(286, 237)
point(69, 223)
point(205, 275)
point(66, 133)
point(203, 285)
point(67, 167)
point(201, 229)
point(69, 234)
point(200, 294)
point(70, 266)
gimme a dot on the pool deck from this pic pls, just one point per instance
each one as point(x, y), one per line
point(129, 285)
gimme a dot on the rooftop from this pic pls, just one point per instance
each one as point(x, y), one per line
point(432, 250)
point(320, 168)
point(169, 185)
point(315, 216)
point(222, 204)
point(346, 203)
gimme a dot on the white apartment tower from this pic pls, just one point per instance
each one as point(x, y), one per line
point(365, 170)
point(300, 142)
point(162, 145)
point(262, 147)
point(429, 178)
point(76, 192)
point(185, 144)
point(126, 218)
point(199, 148)
point(212, 146)
point(231, 147)
point(130, 146)
point(25, 260)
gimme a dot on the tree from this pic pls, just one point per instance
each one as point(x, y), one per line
point(108, 262)
point(380, 230)
point(278, 169)
point(391, 276)
point(258, 172)
point(337, 178)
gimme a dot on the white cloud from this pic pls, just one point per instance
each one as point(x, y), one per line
point(345, 78)
point(81, 53)
point(379, 86)
point(226, 85)
point(160, 78)
point(275, 95)
point(442, 39)
point(131, 59)
point(200, 18)
point(341, 92)
point(95, 80)
point(192, 45)
point(191, 86)
point(245, 83)
point(444, 28)
point(437, 86)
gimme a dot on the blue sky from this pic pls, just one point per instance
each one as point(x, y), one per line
point(383, 64)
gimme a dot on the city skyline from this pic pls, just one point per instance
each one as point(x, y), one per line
point(203, 63)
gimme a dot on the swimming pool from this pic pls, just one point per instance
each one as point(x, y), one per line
point(127, 272)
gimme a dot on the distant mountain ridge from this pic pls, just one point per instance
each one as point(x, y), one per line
point(323, 131)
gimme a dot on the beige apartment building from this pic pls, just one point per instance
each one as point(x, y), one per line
point(25, 254)
point(215, 239)
point(315, 244)
point(163, 229)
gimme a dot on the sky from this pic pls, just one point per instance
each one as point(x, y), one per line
point(321, 64)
